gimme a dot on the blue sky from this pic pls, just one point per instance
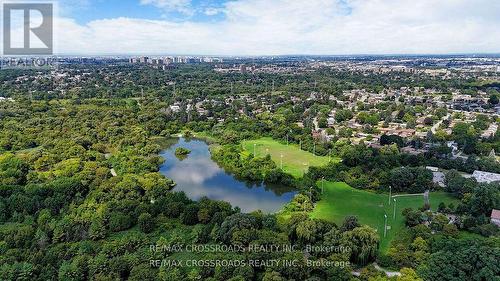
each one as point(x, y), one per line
point(95, 10)
point(277, 27)
point(84, 11)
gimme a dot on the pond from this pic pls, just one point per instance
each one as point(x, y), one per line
point(198, 175)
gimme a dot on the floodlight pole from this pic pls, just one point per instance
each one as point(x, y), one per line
point(254, 145)
point(385, 226)
point(281, 161)
point(390, 191)
point(394, 208)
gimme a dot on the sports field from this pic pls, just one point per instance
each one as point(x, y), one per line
point(295, 160)
point(340, 200)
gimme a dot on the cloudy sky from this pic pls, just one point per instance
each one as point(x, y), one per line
point(278, 27)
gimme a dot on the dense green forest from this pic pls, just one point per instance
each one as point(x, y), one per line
point(81, 196)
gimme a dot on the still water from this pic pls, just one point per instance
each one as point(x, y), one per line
point(198, 175)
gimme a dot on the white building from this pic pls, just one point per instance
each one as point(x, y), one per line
point(175, 108)
point(495, 217)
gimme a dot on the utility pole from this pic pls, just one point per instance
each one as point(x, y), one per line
point(281, 161)
point(390, 191)
point(254, 145)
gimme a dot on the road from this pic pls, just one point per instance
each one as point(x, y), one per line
point(436, 126)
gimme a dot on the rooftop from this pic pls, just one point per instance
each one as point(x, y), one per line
point(487, 177)
point(495, 214)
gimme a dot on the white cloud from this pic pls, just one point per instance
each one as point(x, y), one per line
point(182, 6)
point(255, 27)
point(212, 11)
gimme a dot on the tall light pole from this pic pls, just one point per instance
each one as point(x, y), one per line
point(330, 155)
point(281, 161)
point(385, 225)
point(287, 139)
point(394, 208)
point(254, 145)
point(390, 191)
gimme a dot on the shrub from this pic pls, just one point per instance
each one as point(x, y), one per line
point(146, 223)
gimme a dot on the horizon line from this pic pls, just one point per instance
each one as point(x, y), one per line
point(281, 55)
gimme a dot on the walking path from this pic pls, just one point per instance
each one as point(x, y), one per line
point(404, 195)
point(388, 273)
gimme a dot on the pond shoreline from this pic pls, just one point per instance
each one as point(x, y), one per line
point(198, 175)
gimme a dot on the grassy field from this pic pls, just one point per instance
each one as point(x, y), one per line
point(206, 136)
point(340, 200)
point(295, 160)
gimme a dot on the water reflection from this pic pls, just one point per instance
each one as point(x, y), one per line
point(198, 175)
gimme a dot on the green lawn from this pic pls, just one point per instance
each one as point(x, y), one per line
point(295, 160)
point(340, 200)
point(206, 136)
